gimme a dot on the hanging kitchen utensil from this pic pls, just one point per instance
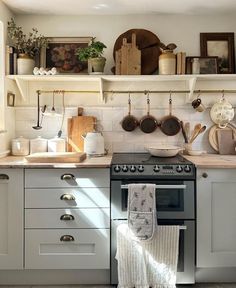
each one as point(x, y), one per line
point(187, 129)
point(183, 132)
point(63, 114)
point(148, 123)
point(129, 122)
point(222, 112)
point(38, 126)
point(170, 125)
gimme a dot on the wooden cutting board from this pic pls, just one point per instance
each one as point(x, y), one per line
point(76, 127)
point(148, 43)
point(56, 157)
point(226, 141)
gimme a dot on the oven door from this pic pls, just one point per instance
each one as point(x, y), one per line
point(186, 258)
point(174, 199)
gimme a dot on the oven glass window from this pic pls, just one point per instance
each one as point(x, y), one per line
point(166, 199)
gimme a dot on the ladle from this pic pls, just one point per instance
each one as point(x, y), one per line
point(38, 126)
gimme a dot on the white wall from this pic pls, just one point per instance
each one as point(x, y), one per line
point(5, 15)
point(182, 30)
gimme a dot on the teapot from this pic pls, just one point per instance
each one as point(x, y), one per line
point(222, 112)
point(94, 144)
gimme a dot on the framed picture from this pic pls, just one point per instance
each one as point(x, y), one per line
point(10, 99)
point(207, 65)
point(61, 54)
point(221, 45)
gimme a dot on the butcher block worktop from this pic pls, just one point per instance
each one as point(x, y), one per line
point(213, 161)
point(203, 161)
point(20, 162)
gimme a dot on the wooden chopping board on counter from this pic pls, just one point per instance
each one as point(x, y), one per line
point(76, 127)
point(56, 157)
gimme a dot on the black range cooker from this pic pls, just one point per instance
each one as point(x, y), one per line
point(175, 180)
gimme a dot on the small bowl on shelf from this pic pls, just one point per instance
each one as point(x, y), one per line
point(196, 152)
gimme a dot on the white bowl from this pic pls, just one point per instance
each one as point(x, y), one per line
point(196, 152)
point(164, 150)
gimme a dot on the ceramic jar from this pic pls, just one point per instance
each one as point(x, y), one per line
point(56, 144)
point(38, 144)
point(20, 146)
point(25, 65)
point(167, 63)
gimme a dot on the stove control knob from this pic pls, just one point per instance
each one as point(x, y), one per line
point(125, 168)
point(117, 168)
point(156, 168)
point(132, 168)
point(187, 168)
point(140, 168)
point(179, 169)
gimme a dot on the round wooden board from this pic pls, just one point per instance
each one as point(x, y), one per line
point(213, 136)
point(148, 43)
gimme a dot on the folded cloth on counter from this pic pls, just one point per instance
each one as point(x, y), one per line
point(144, 264)
point(142, 219)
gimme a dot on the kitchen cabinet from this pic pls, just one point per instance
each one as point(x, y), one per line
point(216, 218)
point(67, 218)
point(11, 218)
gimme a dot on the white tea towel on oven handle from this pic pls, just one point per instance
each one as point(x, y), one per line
point(144, 264)
point(142, 218)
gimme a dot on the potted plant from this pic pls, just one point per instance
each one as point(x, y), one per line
point(93, 54)
point(26, 46)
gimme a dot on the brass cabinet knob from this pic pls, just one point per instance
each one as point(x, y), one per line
point(67, 238)
point(67, 177)
point(204, 175)
point(67, 217)
point(68, 197)
point(4, 177)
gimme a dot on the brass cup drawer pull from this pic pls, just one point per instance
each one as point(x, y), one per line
point(67, 177)
point(67, 238)
point(67, 217)
point(4, 177)
point(68, 197)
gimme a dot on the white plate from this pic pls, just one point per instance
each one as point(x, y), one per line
point(4, 153)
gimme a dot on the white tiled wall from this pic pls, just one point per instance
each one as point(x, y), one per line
point(109, 118)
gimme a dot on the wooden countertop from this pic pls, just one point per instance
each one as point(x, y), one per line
point(213, 161)
point(89, 162)
point(203, 161)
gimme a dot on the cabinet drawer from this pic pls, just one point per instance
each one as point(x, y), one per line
point(88, 250)
point(67, 197)
point(67, 218)
point(52, 178)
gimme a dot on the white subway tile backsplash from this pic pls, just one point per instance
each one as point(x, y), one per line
point(109, 122)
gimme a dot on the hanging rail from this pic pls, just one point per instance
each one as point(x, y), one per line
point(139, 91)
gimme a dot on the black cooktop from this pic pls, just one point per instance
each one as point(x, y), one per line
point(146, 158)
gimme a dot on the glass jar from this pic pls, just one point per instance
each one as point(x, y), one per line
point(195, 66)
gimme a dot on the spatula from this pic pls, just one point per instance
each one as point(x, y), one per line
point(199, 131)
point(195, 132)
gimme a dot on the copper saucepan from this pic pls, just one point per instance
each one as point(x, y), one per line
point(148, 123)
point(129, 122)
point(170, 125)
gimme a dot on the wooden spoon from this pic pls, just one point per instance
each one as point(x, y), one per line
point(201, 130)
point(196, 129)
point(187, 130)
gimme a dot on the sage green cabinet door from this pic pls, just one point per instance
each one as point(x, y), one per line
point(216, 218)
point(11, 218)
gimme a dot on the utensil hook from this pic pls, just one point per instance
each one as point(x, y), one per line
point(170, 104)
point(53, 100)
point(199, 93)
point(129, 104)
point(148, 102)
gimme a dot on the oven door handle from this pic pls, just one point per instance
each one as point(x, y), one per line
point(162, 186)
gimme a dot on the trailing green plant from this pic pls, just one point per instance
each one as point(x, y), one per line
point(30, 44)
point(93, 50)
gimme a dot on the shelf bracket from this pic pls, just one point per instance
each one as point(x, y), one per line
point(192, 84)
point(23, 87)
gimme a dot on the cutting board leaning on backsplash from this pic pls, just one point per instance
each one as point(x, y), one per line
point(76, 127)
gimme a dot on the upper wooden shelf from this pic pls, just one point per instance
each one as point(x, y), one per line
point(22, 81)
